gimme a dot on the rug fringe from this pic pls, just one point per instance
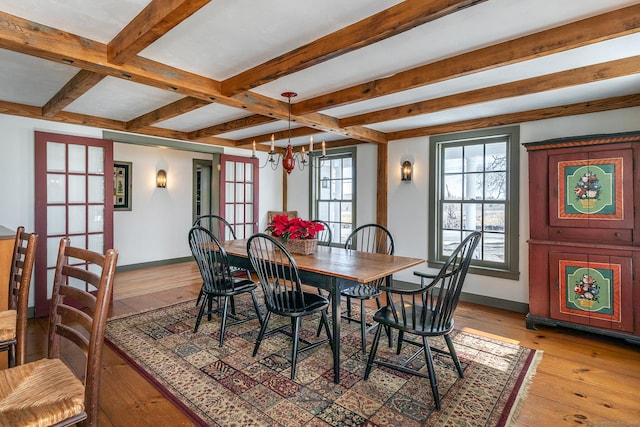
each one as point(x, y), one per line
point(524, 389)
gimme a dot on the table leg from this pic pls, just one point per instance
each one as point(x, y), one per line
point(335, 315)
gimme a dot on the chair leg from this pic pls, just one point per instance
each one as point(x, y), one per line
point(257, 307)
point(432, 371)
point(454, 356)
point(224, 320)
point(294, 350)
point(263, 329)
point(363, 326)
point(400, 338)
point(200, 295)
point(348, 309)
point(372, 353)
point(12, 355)
point(201, 312)
point(233, 306)
point(324, 320)
point(210, 307)
point(320, 324)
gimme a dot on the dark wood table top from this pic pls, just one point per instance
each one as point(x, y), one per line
point(347, 264)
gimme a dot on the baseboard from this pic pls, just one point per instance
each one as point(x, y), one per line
point(518, 307)
point(153, 264)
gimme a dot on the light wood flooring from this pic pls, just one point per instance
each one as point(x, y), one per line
point(583, 380)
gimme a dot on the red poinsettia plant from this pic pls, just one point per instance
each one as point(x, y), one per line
point(295, 228)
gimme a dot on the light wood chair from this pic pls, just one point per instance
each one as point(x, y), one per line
point(13, 321)
point(289, 214)
point(48, 391)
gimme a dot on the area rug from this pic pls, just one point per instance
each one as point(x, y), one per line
point(225, 386)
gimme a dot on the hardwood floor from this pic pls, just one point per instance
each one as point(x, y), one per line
point(583, 380)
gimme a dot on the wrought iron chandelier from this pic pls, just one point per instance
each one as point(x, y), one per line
point(289, 159)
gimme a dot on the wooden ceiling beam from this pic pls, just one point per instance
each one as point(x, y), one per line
point(610, 25)
point(20, 35)
point(607, 104)
point(166, 112)
point(152, 22)
point(74, 89)
point(387, 23)
point(241, 123)
point(30, 111)
point(562, 79)
point(283, 134)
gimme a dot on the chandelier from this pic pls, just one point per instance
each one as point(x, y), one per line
point(289, 158)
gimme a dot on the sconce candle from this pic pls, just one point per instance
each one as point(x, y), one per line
point(161, 179)
point(406, 171)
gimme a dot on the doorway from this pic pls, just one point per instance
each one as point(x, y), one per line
point(204, 202)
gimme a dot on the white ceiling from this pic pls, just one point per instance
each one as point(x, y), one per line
point(227, 37)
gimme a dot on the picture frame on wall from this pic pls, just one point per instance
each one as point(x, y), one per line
point(122, 178)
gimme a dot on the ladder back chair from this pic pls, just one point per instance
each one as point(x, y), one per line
point(13, 321)
point(425, 312)
point(372, 238)
point(218, 279)
point(283, 294)
point(48, 391)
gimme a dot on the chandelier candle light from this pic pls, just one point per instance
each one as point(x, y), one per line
point(289, 158)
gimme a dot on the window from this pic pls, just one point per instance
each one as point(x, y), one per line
point(333, 192)
point(474, 187)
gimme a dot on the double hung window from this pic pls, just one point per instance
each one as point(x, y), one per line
point(333, 192)
point(474, 187)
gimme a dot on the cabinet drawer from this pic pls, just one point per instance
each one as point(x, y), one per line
point(581, 234)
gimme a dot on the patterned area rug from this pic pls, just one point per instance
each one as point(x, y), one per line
point(226, 386)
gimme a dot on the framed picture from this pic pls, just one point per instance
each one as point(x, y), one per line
point(122, 173)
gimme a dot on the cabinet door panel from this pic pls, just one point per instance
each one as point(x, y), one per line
point(591, 189)
point(591, 289)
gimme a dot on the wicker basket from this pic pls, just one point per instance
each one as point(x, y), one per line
point(301, 246)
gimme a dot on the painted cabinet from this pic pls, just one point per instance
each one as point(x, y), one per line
point(584, 245)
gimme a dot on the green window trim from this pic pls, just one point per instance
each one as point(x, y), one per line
point(346, 222)
point(441, 200)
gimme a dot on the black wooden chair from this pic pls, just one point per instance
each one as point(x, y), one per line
point(218, 280)
point(372, 238)
point(13, 321)
point(426, 312)
point(325, 236)
point(283, 294)
point(223, 231)
point(49, 392)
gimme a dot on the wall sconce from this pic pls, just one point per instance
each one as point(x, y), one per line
point(161, 179)
point(406, 171)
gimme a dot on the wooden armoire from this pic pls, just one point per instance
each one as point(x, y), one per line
point(584, 245)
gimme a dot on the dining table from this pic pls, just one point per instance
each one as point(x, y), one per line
point(332, 269)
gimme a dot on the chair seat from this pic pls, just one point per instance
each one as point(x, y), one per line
point(312, 303)
point(361, 291)
point(422, 326)
point(8, 324)
point(44, 392)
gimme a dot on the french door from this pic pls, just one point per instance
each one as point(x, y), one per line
point(239, 193)
point(73, 198)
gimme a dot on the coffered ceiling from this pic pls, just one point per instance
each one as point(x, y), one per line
point(366, 71)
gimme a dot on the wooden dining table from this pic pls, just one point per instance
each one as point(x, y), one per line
point(332, 269)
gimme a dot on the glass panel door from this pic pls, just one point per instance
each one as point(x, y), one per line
point(239, 193)
point(71, 187)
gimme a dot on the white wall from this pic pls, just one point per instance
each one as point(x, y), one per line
point(366, 170)
point(166, 214)
point(408, 203)
point(156, 227)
